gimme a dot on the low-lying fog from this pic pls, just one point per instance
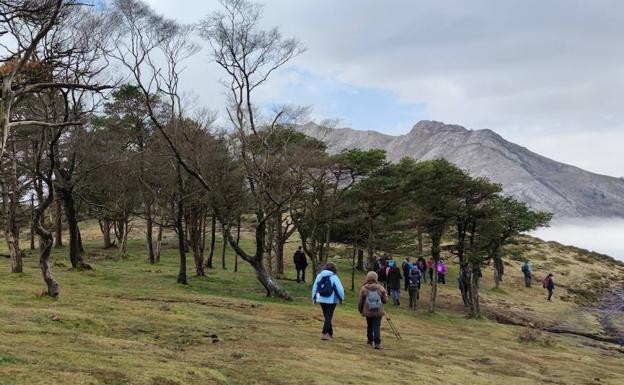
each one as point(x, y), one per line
point(602, 235)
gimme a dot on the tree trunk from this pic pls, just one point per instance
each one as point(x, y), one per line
point(420, 243)
point(149, 227)
point(180, 227)
point(213, 234)
point(124, 229)
point(475, 309)
point(223, 248)
point(370, 245)
point(353, 268)
point(181, 244)
point(11, 229)
point(45, 241)
point(238, 231)
point(272, 288)
point(58, 223)
point(279, 247)
point(360, 259)
point(32, 221)
point(158, 248)
point(71, 216)
point(435, 253)
point(105, 227)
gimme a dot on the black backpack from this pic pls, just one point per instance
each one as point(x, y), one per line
point(325, 287)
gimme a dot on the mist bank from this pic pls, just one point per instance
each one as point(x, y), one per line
point(602, 235)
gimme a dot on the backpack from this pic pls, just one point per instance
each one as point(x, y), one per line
point(414, 279)
point(373, 300)
point(325, 287)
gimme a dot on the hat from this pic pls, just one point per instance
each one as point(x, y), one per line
point(371, 276)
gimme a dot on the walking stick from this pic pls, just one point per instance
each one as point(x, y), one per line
point(393, 328)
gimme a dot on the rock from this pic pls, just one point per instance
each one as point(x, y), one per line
point(540, 182)
point(56, 318)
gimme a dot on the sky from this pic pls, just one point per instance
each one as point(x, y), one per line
point(548, 75)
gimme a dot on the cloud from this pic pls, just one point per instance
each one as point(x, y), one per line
point(531, 70)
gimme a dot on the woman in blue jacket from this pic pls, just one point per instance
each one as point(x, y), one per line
point(328, 291)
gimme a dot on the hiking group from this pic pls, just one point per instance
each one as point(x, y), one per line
point(385, 281)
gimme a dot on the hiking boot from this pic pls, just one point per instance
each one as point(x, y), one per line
point(325, 337)
point(378, 346)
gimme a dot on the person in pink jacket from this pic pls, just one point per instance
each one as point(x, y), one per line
point(442, 272)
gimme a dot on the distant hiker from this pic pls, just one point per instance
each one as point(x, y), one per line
point(422, 266)
point(526, 270)
point(431, 269)
point(381, 272)
point(328, 291)
point(463, 281)
point(372, 298)
point(499, 268)
point(413, 285)
point(442, 272)
point(406, 266)
point(394, 282)
point(549, 285)
point(301, 262)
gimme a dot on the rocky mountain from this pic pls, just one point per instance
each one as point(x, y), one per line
point(541, 182)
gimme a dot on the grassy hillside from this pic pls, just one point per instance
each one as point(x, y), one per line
point(128, 322)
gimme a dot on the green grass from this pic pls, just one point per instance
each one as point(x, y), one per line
point(128, 322)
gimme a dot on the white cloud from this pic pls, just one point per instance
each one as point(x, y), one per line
point(546, 74)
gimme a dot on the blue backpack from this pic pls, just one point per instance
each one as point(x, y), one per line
point(325, 287)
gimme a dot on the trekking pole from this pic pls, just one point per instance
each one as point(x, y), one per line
point(393, 328)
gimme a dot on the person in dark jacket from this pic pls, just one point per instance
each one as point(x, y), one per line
point(394, 283)
point(526, 270)
point(301, 263)
point(406, 266)
point(464, 283)
point(372, 298)
point(381, 273)
point(413, 285)
point(422, 266)
point(549, 285)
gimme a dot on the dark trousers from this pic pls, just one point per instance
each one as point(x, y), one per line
point(431, 276)
point(550, 293)
point(527, 280)
point(328, 314)
point(413, 296)
point(373, 330)
point(301, 274)
point(441, 278)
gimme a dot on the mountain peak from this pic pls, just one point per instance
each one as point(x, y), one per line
point(541, 182)
point(433, 126)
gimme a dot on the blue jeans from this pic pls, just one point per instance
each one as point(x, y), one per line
point(527, 280)
point(396, 295)
point(328, 314)
point(373, 330)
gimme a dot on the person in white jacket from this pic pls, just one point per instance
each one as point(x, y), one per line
point(328, 291)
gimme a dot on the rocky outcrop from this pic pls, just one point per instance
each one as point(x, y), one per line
point(541, 182)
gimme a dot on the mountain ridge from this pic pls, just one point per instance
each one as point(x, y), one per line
point(541, 182)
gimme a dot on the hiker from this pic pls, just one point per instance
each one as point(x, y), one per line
point(463, 281)
point(372, 298)
point(442, 272)
point(328, 291)
point(301, 262)
point(381, 272)
point(394, 282)
point(549, 285)
point(422, 266)
point(413, 285)
point(526, 270)
point(407, 266)
point(430, 267)
point(499, 268)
